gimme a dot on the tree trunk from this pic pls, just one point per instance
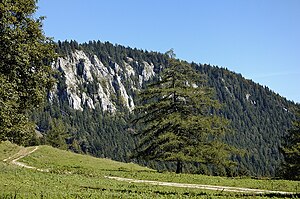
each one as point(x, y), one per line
point(179, 167)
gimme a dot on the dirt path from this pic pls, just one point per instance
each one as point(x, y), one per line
point(29, 150)
point(21, 154)
point(199, 186)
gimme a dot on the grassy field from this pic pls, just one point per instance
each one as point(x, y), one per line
point(80, 176)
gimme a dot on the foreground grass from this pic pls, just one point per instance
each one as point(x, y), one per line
point(77, 176)
point(8, 149)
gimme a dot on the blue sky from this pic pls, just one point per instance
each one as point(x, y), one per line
point(258, 38)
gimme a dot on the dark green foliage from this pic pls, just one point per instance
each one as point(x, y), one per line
point(88, 131)
point(291, 152)
point(65, 48)
point(177, 112)
point(25, 72)
point(57, 134)
point(80, 67)
point(259, 117)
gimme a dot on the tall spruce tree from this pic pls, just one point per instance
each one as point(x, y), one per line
point(25, 72)
point(178, 115)
point(291, 151)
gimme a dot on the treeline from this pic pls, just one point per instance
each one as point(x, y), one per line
point(89, 131)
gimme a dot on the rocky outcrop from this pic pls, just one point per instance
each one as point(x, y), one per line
point(91, 83)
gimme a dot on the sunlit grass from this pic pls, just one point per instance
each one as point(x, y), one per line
point(80, 176)
point(8, 149)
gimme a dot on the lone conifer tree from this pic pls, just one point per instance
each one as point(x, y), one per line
point(177, 113)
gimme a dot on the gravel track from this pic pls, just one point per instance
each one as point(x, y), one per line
point(21, 154)
point(200, 186)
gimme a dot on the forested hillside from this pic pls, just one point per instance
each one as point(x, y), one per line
point(97, 91)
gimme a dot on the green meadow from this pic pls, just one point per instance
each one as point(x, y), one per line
point(72, 175)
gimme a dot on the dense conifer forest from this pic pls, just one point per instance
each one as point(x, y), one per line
point(259, 118)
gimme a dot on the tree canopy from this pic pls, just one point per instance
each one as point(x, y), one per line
point(180, 124)
point(25, 71)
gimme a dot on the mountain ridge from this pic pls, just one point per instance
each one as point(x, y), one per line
point(98, 80)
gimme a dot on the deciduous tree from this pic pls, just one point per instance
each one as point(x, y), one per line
point(25, 72)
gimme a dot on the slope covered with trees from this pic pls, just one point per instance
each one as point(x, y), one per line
point(291, 151)
point(258, 117)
